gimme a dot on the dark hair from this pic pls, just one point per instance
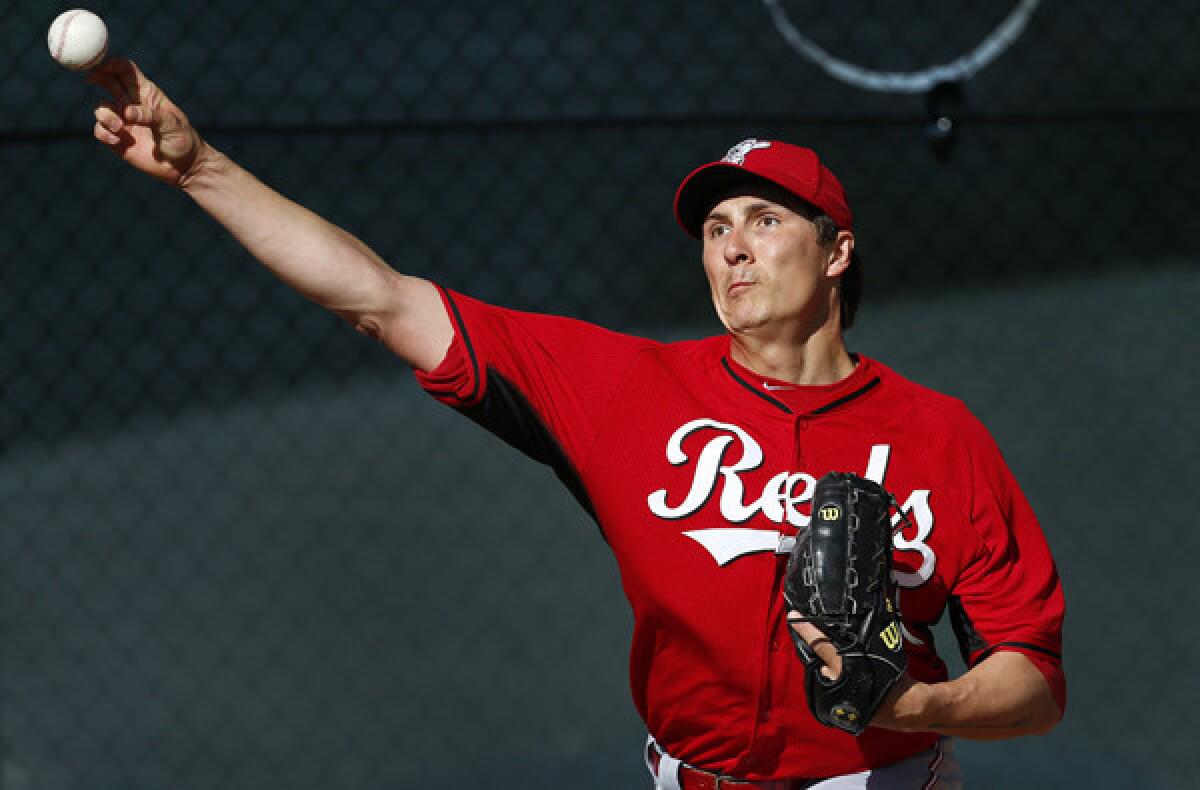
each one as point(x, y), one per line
point(852, 279)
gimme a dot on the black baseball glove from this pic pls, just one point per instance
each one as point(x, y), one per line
point(839, 578)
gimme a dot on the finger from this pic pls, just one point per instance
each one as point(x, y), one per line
point(805, 629)
point(132, 79)
point(119, 141)
point(102, 133)
point(141, 114)
point(119, 77)
point(820, 644)
point(108, 116)
point(107, 82)
point(814, 637)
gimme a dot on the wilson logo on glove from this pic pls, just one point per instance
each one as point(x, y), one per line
point(839, 578)
point(891, 636)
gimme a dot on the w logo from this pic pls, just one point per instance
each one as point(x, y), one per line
point(891, 636)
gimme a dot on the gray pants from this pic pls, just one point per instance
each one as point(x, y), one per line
point(935, 769)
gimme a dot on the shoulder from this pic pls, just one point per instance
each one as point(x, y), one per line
point(944, 423)
point(947, 423)
point(915, 401)
point(473, 316)
point(684, 358)
point(693, 349)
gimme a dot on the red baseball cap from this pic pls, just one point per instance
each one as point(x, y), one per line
point(796, 169)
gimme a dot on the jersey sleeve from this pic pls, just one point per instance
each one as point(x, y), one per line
point(1009, 595)
point(542, 383)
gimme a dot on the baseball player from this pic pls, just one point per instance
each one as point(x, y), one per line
point(698, 460)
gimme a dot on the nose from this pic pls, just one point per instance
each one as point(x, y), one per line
point(736, 249)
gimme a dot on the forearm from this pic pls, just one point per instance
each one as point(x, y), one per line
point(142, 126)
point(1004, 696)
point(323, 262)
point(315, 257)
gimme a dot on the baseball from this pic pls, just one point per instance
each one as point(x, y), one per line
point(78, 39)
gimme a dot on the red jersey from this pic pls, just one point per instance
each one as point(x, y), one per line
point(696, 469)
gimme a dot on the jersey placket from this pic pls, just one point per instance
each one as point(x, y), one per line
point(774, 638)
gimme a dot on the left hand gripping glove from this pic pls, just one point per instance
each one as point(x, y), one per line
point(839, 578)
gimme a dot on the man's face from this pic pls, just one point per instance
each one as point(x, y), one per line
point(764, 263)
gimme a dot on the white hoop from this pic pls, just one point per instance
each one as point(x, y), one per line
point(921, 81)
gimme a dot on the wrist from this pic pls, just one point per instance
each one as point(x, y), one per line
point(912, 706)
point(207, 163)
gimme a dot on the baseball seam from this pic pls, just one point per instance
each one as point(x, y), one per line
point(62, 41)
point(62, 36)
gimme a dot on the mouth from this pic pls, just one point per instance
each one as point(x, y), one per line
point(741, 285)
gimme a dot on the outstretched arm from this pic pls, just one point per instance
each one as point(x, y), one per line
point(142, 126)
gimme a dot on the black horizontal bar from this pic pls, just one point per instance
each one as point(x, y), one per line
point(417, 126)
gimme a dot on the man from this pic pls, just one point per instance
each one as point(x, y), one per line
point(698, 461)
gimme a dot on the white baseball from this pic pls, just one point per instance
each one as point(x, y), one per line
point(78, 39)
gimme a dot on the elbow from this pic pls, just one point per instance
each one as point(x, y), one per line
point(1051, 702)
point(1043, 694)
point(371, 320)
point(1046, 719)
point(1041, 717)
point(365, 324)
point(381, 311)
point(1033, 722)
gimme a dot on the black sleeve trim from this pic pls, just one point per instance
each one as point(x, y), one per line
point(507, 413)
point(1023, 646)
point(970, 641)
point(461, 327)
point(774, 402)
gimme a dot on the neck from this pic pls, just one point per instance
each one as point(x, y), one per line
point(821, 358)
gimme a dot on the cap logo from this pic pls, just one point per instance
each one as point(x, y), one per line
point(737, 154)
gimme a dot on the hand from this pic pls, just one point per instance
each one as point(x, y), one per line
point(820, 644)
point(144, 127)
point(895, 712)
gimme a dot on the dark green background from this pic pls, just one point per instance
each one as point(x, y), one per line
point(240, 549)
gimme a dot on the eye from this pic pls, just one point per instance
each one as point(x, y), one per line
point(717, 229)
point(769, 220)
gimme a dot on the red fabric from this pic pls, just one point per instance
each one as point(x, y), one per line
point(798, 170)
point(1051, 668)
point(674, 441)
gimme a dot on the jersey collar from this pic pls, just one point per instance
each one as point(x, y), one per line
point(805, 400)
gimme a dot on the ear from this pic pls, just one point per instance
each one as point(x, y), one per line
point(839, 254)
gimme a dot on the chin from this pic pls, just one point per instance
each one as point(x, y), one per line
point(743, 315)
point(741, 324)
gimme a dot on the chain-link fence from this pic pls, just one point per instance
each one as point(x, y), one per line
point(240, 549)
